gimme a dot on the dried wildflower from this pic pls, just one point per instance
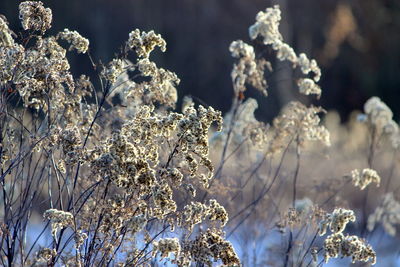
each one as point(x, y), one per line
point(303, 212)
point(284, 52)
point(61, 166)
point(193, 132)
point(187, 102)
point(367, 176)
point(245, 126)
point(162, 85)
point(70, 139)
point(292, 217)
point(189, 188)
point(71, 143)
point(77, 42)
point(387, 213)
point(79, 237)
point(308, 66)
point(247, 70)
point(175, 175)
point(195, 212)
point(257, 132)
point(137, 223)
point(336, 221)
point(267, 25)
point(162, 196)
point(166, 246)
point(346, 246)
point(332, 246)
point(34, 16)
point(45, 255)
point(6, 39)
point(379, 114)
point(117, 214)
point(131, 155)
point(301, 121)
point(338, 244)
point(358, 250)
point(10, 58)
point(114, 70)
point(308, 87)
point(144, 42)
point(211, 244)
point(240, 49)
point(43, 78)
point(217, 212)
point(59, 219)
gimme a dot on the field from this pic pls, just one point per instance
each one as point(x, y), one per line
point(116, 168)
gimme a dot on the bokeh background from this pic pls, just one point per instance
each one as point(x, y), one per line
point(357, 44)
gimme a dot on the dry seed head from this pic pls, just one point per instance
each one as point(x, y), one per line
point(247, 70)
point(195, 212)
point(10, 58)
point(76, 41)
point(166, 246)
point(308, 66)
point(366, 177)
point(240, 49)
point(34, 16)
point(114, 70)
point(59, 219)
point(6, 39)
point(308, 87)
point(337, 244)
point(387, 213)
point(145, 42)
point(45, 255)
point(217, 212)
point(211, 246)
point(297, 120)
point(339, 219)
point(284, 52)
point(137, 223)
point(80, 238)
point(336, 221)
point(267, 27)
point(378, 113)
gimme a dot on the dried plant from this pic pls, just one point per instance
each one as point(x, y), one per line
point(119, 177)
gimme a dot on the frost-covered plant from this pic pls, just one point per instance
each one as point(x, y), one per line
point(337, 243)
point(59, 219)
point(387, 214)
point(77, 42)
point(34, 16)
point(336, 221)
point(267, 28)
point(363, 179)
point(125, 179)
point(112, 174)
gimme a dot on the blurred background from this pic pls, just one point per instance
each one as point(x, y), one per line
point(357, 44)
